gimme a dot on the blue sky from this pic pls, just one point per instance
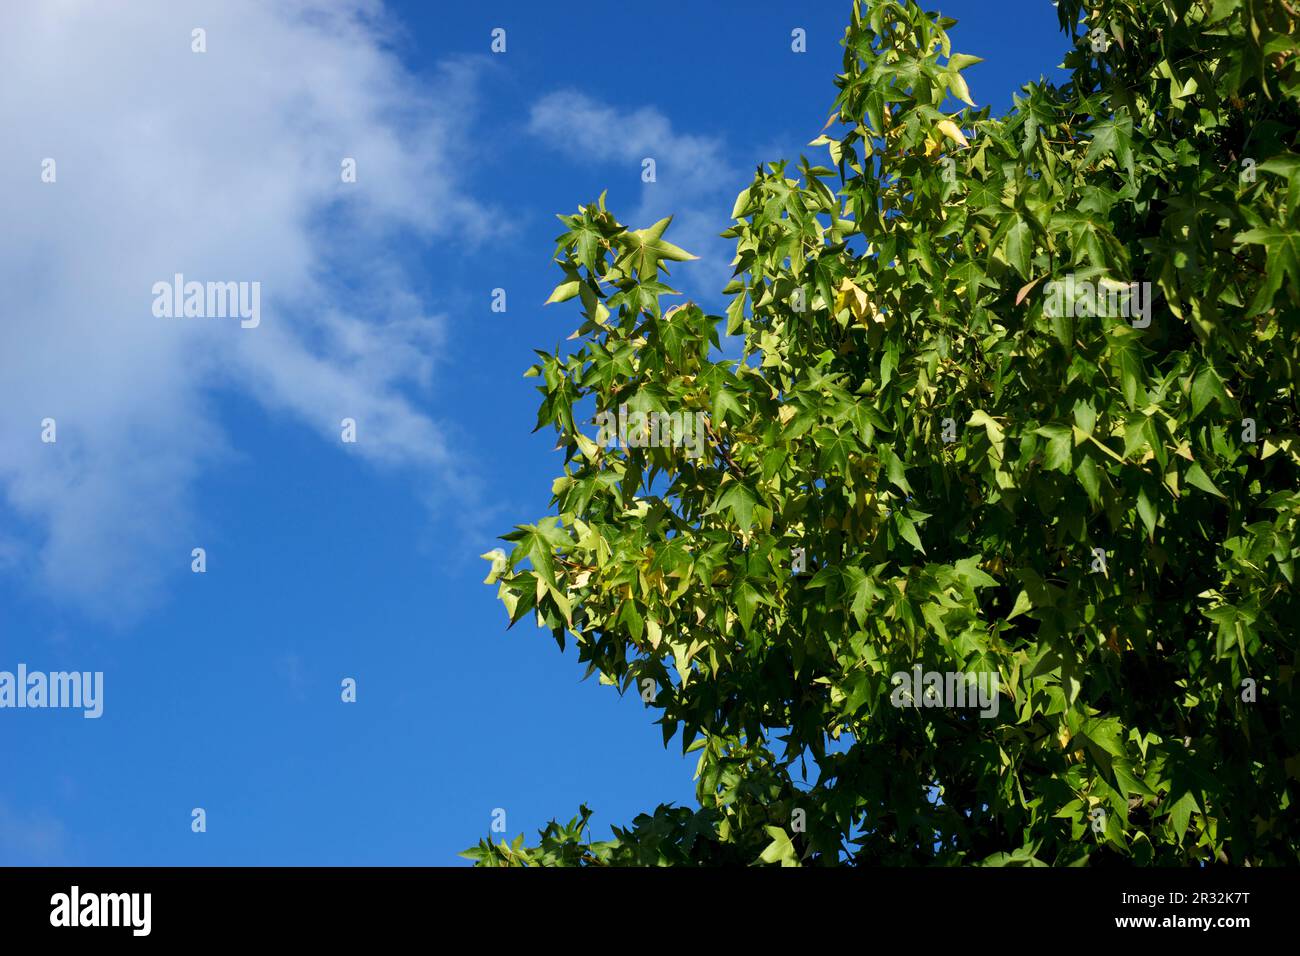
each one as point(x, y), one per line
point(328, 560)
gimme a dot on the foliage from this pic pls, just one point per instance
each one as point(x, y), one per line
point(904, 287)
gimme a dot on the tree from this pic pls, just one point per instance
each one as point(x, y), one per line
point(998, 455)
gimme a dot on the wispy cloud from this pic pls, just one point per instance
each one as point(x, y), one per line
point(696, 182)
point(223, 166)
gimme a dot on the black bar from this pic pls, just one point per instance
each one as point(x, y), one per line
point(513, 907)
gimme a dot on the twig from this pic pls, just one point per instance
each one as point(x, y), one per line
point(726, 455)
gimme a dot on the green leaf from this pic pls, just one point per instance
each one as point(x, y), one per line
point(894, 470)
point(959, 61)
point(1180, 813)
point(968, 569)
point(1090, 478)
point(499, 565)
point(1022, 605)
point(741, 202)
point(1107, 735)
point(747, 601)
point(1281, 261)
point(861, 591)
point(725, 404)
point(1147, 512)
point(563, 292)
point(781, 849)
point(1057, 455)
point(740, 500)
point(644, 249)
point(1111, 136)
point(1128, 781)
point(1205, 388)
point(980, 418)
point(1197, 477)
point(959, 88)
point(908, 530)
point(1019, 247)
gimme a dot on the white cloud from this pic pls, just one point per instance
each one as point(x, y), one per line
point(695, 182)
point(223, 166)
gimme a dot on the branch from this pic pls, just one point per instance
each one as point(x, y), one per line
point(722, 450)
